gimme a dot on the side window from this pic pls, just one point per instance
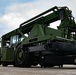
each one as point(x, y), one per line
point(14, 39)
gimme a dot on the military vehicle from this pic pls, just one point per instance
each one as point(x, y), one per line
point(34, 42)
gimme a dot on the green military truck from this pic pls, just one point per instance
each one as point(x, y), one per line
point(34, 42)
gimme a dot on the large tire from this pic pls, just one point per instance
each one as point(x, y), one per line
point(22, 57)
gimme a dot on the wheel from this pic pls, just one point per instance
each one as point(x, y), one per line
point(22, 57)
point(14, 64)
point(4, 64)
point(61, 66)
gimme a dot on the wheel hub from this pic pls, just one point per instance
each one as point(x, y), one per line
point(20, 54)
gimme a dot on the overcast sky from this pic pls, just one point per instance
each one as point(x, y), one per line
point(14, 12)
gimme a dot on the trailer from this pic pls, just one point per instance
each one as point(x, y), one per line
point(34, 42)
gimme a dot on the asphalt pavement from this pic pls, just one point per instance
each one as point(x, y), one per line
point(10, 70)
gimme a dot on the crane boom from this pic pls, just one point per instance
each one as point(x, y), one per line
point(47, 17)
